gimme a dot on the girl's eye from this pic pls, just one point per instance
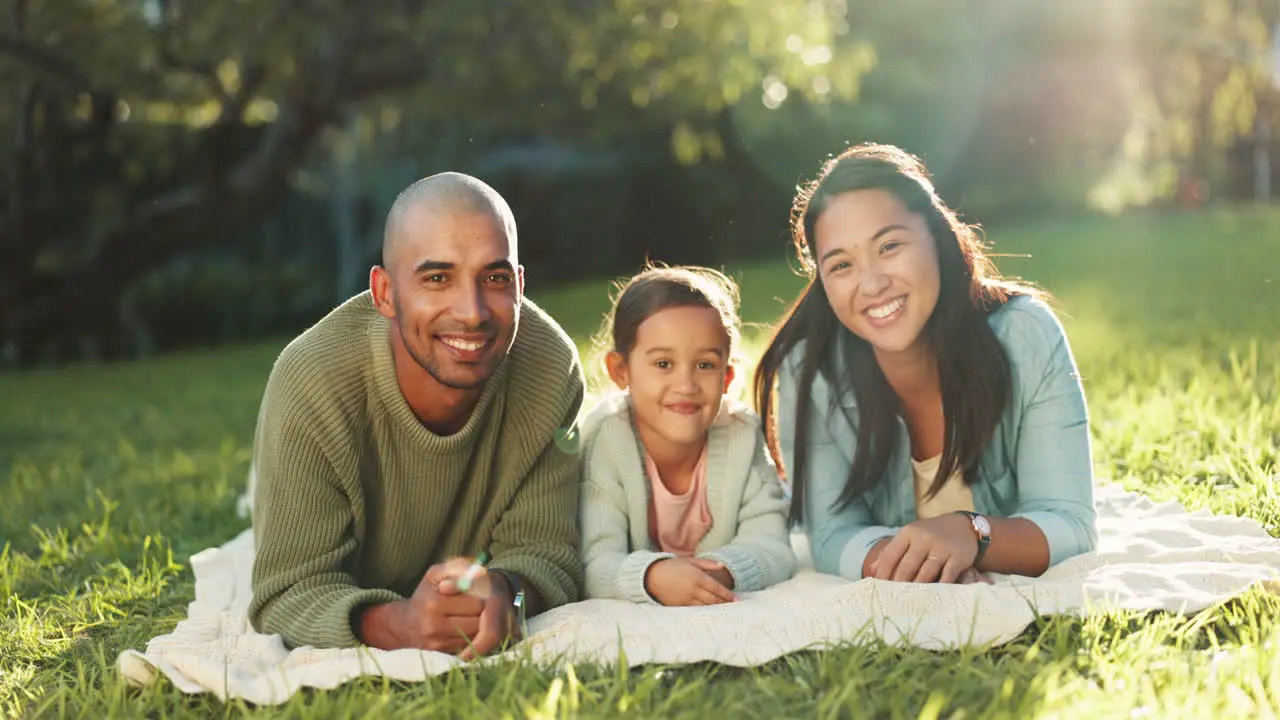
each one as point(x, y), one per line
point(663, 364)
point(706, 365)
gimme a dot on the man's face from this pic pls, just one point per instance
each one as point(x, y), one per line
point(454, 293)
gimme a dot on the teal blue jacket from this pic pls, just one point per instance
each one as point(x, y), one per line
point(1044, 432)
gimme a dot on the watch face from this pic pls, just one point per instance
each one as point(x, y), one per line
point(982, 525)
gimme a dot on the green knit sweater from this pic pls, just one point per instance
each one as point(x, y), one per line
point(354, 498)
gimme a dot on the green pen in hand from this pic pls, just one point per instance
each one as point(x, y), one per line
point(464, 582)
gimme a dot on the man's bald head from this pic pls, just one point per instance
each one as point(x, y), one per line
point(446, 192)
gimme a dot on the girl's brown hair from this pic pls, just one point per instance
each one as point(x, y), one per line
point(659, 287)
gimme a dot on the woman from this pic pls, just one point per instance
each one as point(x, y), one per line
point(929, 415)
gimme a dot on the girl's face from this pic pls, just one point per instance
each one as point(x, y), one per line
point(879, 266)
point(677, 372)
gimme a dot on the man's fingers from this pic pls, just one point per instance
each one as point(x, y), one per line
point(460, 604)
point(887, 563)
point(450, 569)
point(910, 563)
point(467, 626)
point(483, 641)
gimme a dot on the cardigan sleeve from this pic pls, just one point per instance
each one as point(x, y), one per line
point(613, 570)
point(760, 554)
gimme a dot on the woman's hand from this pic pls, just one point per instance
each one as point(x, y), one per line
point(939, 549)
point(681, 581)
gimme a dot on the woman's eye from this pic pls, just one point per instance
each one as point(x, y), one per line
point(889, 246)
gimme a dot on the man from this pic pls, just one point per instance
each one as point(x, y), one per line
point(419, 424)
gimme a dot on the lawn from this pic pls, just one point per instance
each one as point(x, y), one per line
point(111, 476)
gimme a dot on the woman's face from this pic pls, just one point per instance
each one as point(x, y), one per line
point(878, 263)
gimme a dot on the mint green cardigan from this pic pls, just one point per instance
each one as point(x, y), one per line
point(749, 531)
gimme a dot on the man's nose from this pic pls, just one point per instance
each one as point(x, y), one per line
point(469, 305)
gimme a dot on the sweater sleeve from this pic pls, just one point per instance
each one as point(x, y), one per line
point(760, 554)
point(537, 537)
point(302, 520)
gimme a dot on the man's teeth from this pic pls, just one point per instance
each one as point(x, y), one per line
point(884, 311)
point(462, 344)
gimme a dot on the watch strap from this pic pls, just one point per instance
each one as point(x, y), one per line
point(518, 599)
point(984, 539)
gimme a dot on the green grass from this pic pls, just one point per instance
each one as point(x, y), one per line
point(113, 475)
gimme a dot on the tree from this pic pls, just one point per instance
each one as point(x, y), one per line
point(145, 129)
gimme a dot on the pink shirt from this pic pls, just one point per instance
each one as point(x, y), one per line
point(677, 523)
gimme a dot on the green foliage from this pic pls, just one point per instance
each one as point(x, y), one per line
point(113, 475)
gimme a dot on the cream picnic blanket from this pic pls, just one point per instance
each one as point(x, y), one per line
point(1151, 556)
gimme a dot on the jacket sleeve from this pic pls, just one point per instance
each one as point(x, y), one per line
point(1054, 462)
point(838, 539)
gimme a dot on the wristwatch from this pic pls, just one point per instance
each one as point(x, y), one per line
point(517, 600)
point(981, 530)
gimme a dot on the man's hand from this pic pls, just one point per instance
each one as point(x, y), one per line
point(430, 620)
point(682, 581)
point(935, 550)
point(498, 623)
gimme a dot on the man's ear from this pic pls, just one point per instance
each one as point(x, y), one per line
point(616, 364)
point(380, 287)
point(728, 377)
point(520, 280)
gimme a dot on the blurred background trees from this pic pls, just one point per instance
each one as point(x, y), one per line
point(184, 173)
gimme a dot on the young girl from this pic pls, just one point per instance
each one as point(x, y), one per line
point(681, 502)
point(930, 416)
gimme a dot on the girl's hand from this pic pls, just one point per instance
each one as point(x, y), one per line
point(716, 570)
point(935, 550)
point(679, 581)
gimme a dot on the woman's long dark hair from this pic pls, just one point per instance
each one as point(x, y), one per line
point(973, 368)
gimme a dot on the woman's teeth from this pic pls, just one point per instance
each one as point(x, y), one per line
point(881, 312)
